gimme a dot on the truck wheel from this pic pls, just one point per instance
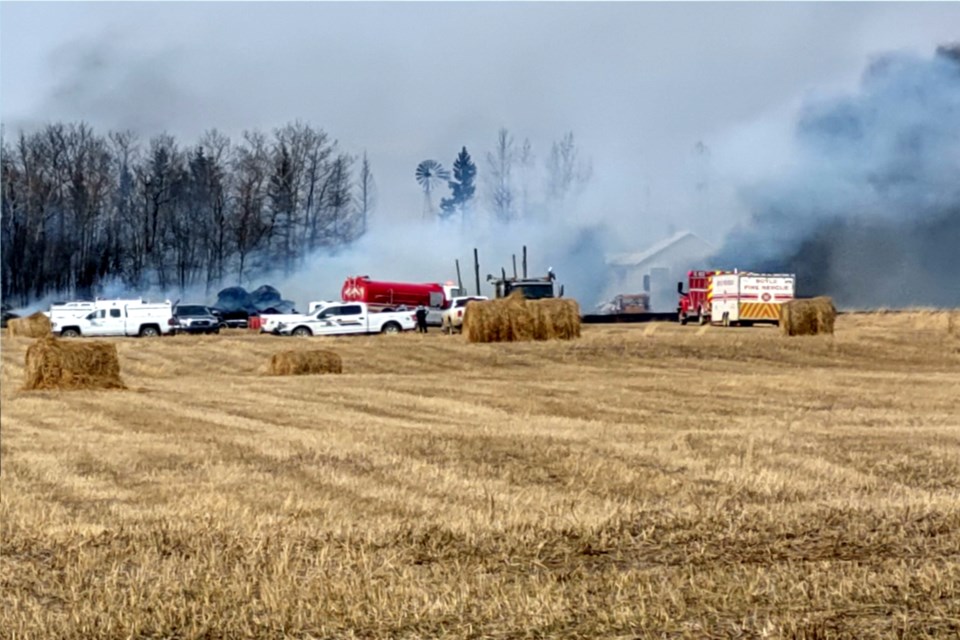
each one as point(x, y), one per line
point(302, 332)
point(149, 331)
point(69, 333)
point(391, 327)
point(682, 318)
point(702, 318)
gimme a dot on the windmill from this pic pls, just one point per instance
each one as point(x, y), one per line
point(430, 174)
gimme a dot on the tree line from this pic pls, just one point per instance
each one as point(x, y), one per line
point(80, 208)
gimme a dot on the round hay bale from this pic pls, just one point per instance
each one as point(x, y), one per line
point(55, 364)
point(556, 318)
point(296, 363)
point(33, 326)
point(502, 320)
point(515, 319)
point(476, 322)
point(807, 316)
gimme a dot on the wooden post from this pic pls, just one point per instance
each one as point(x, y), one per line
point(476, 268)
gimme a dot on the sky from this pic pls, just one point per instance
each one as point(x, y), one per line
point(638, 83)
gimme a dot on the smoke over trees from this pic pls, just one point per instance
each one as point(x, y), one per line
point(81, 209)
point(516, 190)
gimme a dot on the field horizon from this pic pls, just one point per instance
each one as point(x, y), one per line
point(643, 481)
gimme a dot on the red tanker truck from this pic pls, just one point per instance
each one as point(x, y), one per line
point(390, 296)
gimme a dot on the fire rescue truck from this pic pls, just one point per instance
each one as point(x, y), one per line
point(734, 297)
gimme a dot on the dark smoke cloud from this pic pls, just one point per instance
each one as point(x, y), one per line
point(869, 211)
point(105, 81)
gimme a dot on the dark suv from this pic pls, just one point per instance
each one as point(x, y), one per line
point(195, 318)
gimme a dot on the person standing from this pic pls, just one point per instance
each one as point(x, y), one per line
point(421, 319)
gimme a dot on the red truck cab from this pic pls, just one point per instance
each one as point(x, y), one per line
point(695, 302)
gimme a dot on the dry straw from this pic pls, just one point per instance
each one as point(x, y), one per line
point(34, 326)
point(807, 316)
point(514, 319)
point(55, 364)
point(295, 363)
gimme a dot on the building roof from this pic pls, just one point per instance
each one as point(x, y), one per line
point(657, 250)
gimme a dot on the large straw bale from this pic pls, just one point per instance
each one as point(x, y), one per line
point(295, 363)
point(57, 364)
point(514, 319)
point(557, 318)
point(33, 326)
point(807, 316)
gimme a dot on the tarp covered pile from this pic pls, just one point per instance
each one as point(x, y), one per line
point(265, 299)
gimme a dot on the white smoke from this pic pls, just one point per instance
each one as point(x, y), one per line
point(428, 251)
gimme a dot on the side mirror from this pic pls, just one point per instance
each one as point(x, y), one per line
point(680, 288)
point(561, 291)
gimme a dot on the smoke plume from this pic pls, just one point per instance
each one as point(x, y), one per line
point(869, 211)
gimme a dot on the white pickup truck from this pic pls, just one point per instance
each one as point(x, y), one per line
point(343, 318)
point(270, 321)
point(115, 318)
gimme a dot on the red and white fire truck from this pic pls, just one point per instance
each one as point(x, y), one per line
point(735, 297)
point(392, 296)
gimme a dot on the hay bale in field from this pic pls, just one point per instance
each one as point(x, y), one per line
point(56, 364)
point(295, 363)
point(33, 326)
point(514, 319)
point(502, 320)
point(556, 318)
point(807, 316)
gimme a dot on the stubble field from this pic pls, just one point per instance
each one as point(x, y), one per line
point(643, 481)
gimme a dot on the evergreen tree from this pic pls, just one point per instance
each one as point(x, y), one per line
point(462, 186)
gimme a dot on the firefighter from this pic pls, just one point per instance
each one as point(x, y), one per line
point(421, 319)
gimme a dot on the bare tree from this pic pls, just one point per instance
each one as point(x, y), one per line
point(567, 173)
point(251, 226)
point(123, 231)
point(500, 188)
point(338, 210)
point(526, 161)
point(213, 185)
point(160, 179)
point(366, 194)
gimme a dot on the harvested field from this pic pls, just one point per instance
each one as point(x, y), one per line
point(658, 481)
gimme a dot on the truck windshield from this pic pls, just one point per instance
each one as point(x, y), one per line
point(189, 310)
point(536, 291)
